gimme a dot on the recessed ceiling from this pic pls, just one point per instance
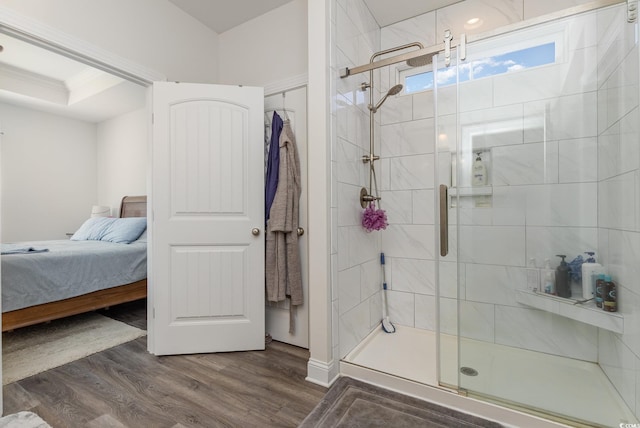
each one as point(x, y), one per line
point(222, 15)
point(33, 77)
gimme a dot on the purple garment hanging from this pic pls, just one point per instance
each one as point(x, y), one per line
point(273, 165)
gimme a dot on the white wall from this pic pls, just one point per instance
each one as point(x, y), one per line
point(48, 174)
point(122, 158)
point(152, 33)
point(266, 49)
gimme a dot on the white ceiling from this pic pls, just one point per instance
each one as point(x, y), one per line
point(222, 15)
point(388, 12)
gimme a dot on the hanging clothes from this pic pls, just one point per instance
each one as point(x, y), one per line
point(282, 267)
point(273, 164)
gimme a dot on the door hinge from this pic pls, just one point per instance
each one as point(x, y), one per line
point(154, 313)
point(152, 118)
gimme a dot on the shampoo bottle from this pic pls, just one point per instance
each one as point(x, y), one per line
point(600, 289)
point(589, 271)
point(610, 301)
point(479, 173)
point(563, 287)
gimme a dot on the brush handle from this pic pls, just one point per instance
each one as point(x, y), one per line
point(381, 258)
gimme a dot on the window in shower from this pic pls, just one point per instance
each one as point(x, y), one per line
point(418, 80)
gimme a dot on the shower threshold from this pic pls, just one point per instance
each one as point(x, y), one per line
point(548, 384)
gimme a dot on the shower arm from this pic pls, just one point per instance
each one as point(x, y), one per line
point(428, 51)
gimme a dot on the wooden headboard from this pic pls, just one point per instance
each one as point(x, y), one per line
point(133, 206)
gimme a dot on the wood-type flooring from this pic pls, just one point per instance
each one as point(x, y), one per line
point(125, 386)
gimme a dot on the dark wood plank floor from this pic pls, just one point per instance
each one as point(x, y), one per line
point(125, 386)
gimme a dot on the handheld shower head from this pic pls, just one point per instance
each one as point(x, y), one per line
point(393, 91)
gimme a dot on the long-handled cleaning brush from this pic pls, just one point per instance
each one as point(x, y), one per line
point(386, 324)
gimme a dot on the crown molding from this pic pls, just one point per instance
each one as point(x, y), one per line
point(34, 85)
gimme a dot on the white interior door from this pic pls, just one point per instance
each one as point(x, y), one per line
point(277, 315)
point(207, 199)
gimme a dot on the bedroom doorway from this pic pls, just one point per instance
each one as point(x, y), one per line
point(81, 119)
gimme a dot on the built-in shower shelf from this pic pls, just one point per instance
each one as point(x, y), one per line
point(471, 191)
point(586, 312)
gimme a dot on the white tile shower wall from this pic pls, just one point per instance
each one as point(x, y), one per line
point(544, 200)
point(619, 196)
point(355, 262)
point(544, 332)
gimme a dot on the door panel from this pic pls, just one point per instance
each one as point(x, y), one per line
point(207, 198)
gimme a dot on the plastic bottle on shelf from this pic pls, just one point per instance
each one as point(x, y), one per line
point(590, 270)
point(563, 287)
point(610, 299)
point(600, 288)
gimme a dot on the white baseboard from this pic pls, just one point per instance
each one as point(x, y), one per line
point(321, 373)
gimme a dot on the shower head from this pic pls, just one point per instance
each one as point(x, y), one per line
point(420, 61)
point(393, 91)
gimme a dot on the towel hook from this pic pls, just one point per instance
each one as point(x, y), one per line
point(284, 108)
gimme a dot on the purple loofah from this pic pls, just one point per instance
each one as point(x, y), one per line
point(373, 218)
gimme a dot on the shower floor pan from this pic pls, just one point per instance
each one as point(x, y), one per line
point(548, 383)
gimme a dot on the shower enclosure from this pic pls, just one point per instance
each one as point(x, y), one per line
point(549, 108)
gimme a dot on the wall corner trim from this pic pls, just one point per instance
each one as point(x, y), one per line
point(321, 373)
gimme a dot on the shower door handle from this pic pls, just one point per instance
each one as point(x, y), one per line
point(444, 220)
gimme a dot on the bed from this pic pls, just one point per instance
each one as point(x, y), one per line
point(73, 276)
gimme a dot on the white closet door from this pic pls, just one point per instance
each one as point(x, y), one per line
point(207, 187)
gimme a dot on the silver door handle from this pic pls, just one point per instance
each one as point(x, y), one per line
point(255, 231)
point(444, 221)
point(300, 231)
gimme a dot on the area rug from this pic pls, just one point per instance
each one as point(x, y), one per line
point(354, 404)
point(31, 350)
point(23, 420)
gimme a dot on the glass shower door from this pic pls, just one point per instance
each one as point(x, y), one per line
point(450, 278)
point(535, 119)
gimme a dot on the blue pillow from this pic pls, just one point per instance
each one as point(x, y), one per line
point(119, 230)
point(92, 229)
point(125, 230)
